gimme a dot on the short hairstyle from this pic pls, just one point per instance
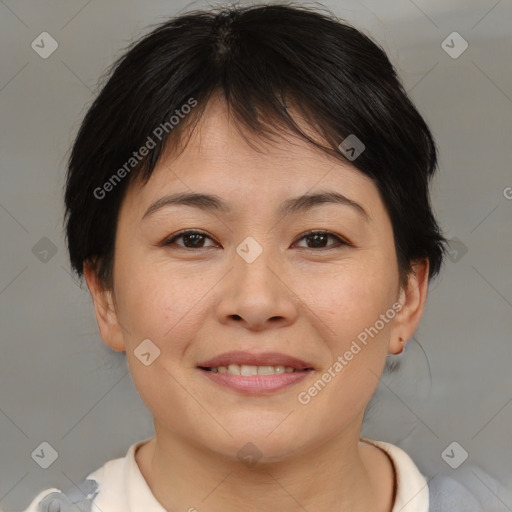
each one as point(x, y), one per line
point(262, 59)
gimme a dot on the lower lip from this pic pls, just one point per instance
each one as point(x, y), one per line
point(256, 384)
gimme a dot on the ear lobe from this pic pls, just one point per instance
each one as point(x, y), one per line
point(104, 307)
point(412, 299)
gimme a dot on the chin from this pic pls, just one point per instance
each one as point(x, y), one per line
point(256, 445)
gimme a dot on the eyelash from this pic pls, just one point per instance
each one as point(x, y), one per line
point(341, 241)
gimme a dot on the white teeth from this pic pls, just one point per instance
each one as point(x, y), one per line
point(234, 369)
point(265, 370)
point(249, 370)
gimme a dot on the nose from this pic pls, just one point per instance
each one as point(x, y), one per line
point(256, 293)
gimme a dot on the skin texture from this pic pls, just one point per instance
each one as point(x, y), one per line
point(296, 299)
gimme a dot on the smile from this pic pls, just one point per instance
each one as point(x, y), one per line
point(256, 384)
point(255, 374)
point(249, 370)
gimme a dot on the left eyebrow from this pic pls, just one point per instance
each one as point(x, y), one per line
point(213, 203)
point(308, 201)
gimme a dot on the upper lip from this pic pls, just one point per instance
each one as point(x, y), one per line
point(262, 359)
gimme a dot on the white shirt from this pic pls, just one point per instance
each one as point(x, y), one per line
point(119, 486)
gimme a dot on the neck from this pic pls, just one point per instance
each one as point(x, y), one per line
point(342, 474)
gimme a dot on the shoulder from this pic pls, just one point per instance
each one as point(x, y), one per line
point(78, 499)
point(447, 494)
point(103, 489)
point(469, 488)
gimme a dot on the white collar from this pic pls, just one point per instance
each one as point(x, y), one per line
point(412, 493)
point(122, 486)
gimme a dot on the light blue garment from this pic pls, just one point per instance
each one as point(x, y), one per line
point(469, 489)
point(448, 495)
point(76, 500)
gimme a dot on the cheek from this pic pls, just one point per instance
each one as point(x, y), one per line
point(163, 309)
point(357, 341)
point(160, 303)
point(351, 298)
point(360, 308)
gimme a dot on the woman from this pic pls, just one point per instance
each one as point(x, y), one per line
point(248, 201)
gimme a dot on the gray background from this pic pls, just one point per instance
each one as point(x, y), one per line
point(62, 385)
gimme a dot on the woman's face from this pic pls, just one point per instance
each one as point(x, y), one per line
point(253, 283)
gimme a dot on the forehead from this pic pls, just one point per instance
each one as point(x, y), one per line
point(221, 157)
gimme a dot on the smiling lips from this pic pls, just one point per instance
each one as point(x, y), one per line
point(255, 373)
point(248, 359)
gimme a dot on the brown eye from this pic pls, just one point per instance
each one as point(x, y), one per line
point(191, 239)
point(318, 239)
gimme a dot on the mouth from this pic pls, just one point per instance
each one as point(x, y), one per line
point(250, 370)
point(255, 374)
point(264, 359)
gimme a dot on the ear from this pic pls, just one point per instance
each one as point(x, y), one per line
point(412, 299)
point(104, 307)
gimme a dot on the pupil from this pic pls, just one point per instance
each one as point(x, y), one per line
point(316, 237)
point(197, 235)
